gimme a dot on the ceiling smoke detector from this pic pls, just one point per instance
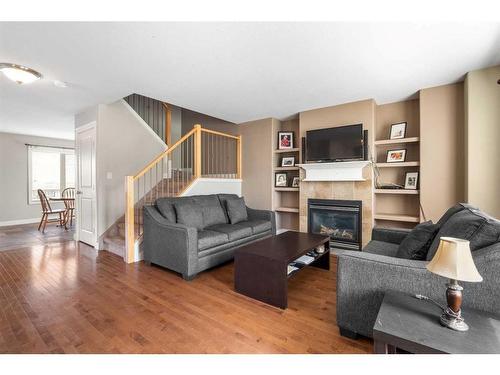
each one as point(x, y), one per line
point(19, 74)
point(60, 84)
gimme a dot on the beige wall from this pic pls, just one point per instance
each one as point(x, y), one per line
point(119, 130)
point(344, 114)
point(191, 118)
point(14, 207)
point(257, 150)
point(441, 149)
point(482, 95)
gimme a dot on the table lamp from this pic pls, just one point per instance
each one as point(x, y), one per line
point(453, 260)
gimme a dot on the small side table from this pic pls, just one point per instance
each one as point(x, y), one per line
point(412, 325)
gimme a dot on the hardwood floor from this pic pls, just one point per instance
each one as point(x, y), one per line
point(16, 236)
point(63, 297)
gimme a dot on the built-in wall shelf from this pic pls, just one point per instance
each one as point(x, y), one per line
point(397, 141)
point(286, 168)
point(288, 209)
point(397, 191)
point(398, 208)
point(287, 150)
point(399, 164)
point(285, 199)
point(396, 217)
point(286, 189)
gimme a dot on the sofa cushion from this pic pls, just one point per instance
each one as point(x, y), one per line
point(416, 244)
point(233, 231)
point(223, 198)
point(452, 211)
point(189, 214)
point(210, 238)
point(468, 224)
point(166, 208)
point(213, 213)
point(259, 226)
point(236, 210)
point(381, 248)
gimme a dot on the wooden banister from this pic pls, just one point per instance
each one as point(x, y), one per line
point(163, 154)
point(219, 133)
point(238, 156)
point(129, 220)
point(197, 151)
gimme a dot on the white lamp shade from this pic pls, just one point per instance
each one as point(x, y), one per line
point(453, 260)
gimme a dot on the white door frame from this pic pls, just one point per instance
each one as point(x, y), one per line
point(80, 129)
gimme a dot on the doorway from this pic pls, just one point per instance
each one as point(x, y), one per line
point(86, 207)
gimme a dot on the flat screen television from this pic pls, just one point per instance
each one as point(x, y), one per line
point(342, 143)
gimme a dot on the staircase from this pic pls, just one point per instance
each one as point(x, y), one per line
point(114, 240)
point(154, 113)
point(201, 153)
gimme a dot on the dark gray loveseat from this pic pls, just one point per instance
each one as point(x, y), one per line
point(190, 250)
point(364, 277)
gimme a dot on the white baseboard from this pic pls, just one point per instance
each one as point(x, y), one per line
point(282, 230)
point(19, 222)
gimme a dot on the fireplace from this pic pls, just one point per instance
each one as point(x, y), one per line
point(339, 219)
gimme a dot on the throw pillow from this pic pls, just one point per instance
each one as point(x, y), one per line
point(236, 210)
point(189, 214)
point(452, 211)
point(469, 224)
point(223, 202)
point(416, 244)
point(166, 208)
point(213, 213)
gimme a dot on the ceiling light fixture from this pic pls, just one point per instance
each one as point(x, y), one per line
point(19, 73)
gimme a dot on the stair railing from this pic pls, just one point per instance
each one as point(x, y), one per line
point(201, 153)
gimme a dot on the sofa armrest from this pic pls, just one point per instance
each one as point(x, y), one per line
point(354, 256)
point(392, 235)
point(171, 245)
point(254, 214)
point(363, 279)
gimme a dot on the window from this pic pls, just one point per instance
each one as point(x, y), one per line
point(50, 169)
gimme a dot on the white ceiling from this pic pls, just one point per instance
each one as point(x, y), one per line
point(235, 71)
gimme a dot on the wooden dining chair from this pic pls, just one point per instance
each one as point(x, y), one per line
point(68, 195)
point(47, 210)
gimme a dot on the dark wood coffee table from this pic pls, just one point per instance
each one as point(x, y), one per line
point(260, 268)
point(406, 323)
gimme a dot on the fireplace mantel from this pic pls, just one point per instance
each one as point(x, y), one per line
point(338, 171)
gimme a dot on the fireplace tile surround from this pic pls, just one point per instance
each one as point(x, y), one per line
point(346, 190)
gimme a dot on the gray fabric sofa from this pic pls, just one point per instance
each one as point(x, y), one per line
point(363, 277)
point(190, 250)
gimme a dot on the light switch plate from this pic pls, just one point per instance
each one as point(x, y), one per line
point(109, 175)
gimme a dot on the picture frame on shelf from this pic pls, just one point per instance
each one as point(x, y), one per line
point(398, 130)
point(411, 180)
point(288, 161)
point(280, 180)
point(396, 156)
point(285, 140)
point(295, 182)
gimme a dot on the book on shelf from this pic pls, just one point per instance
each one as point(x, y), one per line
point(297, 264)
point(291, 269)
point(305, 259)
